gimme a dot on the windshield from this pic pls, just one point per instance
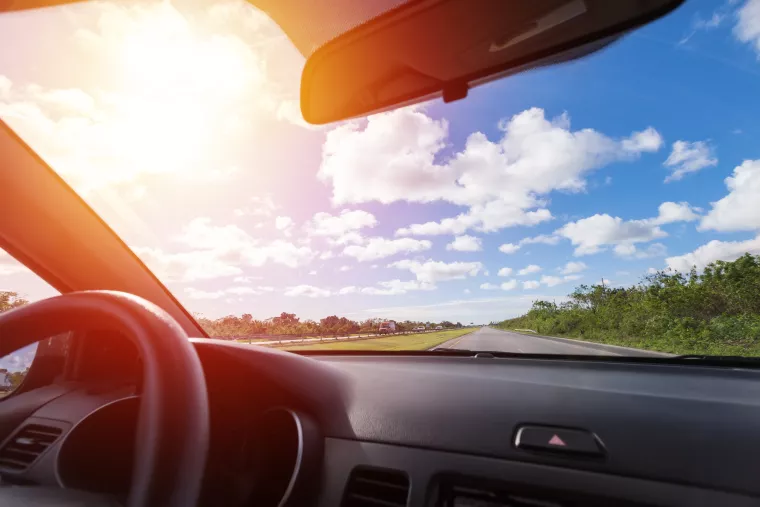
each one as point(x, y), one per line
point(611, 201)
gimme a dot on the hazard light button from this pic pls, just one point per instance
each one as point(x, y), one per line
point(558, 440)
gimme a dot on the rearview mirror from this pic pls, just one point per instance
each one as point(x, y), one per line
point(429, 48)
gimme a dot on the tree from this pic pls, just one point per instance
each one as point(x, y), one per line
point(715, 311)
point(10, 300)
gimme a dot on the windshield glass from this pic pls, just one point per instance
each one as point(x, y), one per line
point(614, 200)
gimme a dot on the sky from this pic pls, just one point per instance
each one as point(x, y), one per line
point(179, 123)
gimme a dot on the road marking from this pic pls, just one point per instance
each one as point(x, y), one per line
point(562, 343)
point(457, 340)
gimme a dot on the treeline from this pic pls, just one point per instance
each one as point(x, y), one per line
point(283, 324)
point(290, 324)
point(716, 311)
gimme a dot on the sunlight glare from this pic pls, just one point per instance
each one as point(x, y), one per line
point(178, 84)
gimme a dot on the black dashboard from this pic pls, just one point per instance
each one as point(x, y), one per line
point(429, 430)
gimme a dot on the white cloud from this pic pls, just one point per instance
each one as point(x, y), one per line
point(394, 152)
point(194, 293)
point(542, 239)
point(247, 279)
point(490, 217)
point(465, 244)
point(706, 24)
point(740, 209)
point(509, 248)
point(389, 288)
point(592, 234)
point(713, 251)
point(505, 272)
point(467, 291)
point(312, 273)
point(284, 224)
point(393, 287)
point(378, 248)
point(433, 272)
point(348, 222)
point(527, 270)
point(237, 247)
point(345, 268)
point(551, 281)
point(186, 266)
point(687, 158)
point(531, 284)
point(571, 278)
point(258, 207)
point(648, 140)
point(509, 285)
point(201, 233)
point(393, 157)
point(573, 267)
point(651, 271)
point(326, 255)
point(630, 251)
point(281, 252)
point(670, 212)
point(308, 291)
point(747, 28)
point(545, 239)
point(349, 238)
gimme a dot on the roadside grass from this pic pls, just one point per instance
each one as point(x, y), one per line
point(274, 338)
point(421, 341)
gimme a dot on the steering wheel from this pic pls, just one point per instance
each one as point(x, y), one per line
point(173, 425)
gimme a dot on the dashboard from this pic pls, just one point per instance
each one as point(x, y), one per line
point(416, 430)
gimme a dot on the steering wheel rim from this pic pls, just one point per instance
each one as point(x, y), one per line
point(173, 426)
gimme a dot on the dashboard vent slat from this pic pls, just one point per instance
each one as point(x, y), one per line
point(375, 487)
point(26, 445)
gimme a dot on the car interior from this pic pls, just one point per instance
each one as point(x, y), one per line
point(128, 402)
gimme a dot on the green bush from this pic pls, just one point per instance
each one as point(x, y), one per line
point(716, 311)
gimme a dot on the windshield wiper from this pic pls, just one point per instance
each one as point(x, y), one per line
point(695, 359)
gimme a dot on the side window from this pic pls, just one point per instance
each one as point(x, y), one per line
point(20, 286)
point(14, 367)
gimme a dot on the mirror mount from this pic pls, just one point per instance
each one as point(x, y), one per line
point(455, 91)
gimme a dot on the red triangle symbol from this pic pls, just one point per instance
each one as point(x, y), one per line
point(557, 441)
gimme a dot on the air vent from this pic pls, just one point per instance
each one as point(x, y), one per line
point(20, 451)
point(375, 487)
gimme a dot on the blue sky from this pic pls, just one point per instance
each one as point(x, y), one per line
point(180, 126)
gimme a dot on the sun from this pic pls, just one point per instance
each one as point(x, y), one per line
point(177, 85)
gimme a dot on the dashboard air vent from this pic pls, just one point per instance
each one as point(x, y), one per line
point(376, 487)
point(20, 451)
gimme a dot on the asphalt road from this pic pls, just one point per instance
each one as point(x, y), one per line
point(487, 338)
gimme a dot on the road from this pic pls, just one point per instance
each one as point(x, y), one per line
point(487, 338)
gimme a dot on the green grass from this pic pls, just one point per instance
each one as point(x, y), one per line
point(421, 341)
point(254, 340)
